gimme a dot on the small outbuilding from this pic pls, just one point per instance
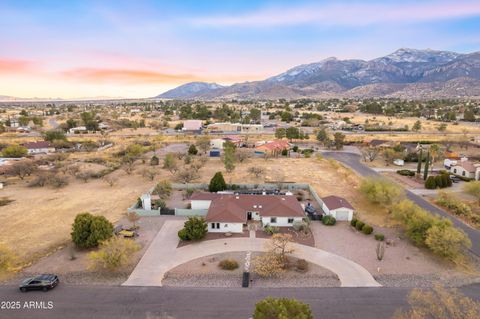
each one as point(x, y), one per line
point(337, 207)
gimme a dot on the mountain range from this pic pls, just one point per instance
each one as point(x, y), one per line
point(406, 73)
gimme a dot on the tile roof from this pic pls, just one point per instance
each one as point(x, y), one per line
point(278, 145)
point(234, 208)
point(334, 202)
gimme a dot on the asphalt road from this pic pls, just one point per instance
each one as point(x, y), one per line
point(353, 161)
point(74, 302)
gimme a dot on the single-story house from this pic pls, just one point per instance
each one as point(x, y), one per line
point(230, 212)
point(40, 147)
point(466, 169)
point(337, 207)
point(234, 127)
point(272, 147)
point(217, 143)
point(192, 125)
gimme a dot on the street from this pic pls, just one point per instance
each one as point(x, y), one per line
point(353, 161)
point(74, 302)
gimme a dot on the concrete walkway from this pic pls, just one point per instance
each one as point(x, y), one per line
point(162, 255)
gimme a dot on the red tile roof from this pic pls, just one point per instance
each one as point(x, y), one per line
point(277, 145)
point(334, 202)
point(234, 208)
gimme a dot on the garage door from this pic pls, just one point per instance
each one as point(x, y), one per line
point(342, 214)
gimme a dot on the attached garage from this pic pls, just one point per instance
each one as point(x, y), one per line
point(337, 207)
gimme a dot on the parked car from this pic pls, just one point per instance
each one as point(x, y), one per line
point(41, 282)
point(310, 209)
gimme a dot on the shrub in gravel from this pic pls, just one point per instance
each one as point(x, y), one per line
point(380, 237)
point(367, 229)
point(359, 225)
point(228, 264)
point(182, 234)
point(302, 265)
point(353, 222)
point(329, 220)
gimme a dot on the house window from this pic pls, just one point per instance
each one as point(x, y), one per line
point(225, 226)
point(290, 220)
point(273, 220)
point(213, 225)
point(463, 173)
point(218, 225)
point(455, 171)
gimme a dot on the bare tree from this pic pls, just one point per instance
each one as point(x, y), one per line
point(149, 173)
point(22, 169)
point(133, 217)
point(187, 175)
point(110, 180)
point(242, 155)
point(370, 153)
point(256, 171)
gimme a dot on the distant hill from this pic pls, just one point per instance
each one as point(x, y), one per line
point(406, 73)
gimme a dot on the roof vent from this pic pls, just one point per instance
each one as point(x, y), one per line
point(283, 198)
point(259, 206)
point(237, 197)
point(254, 206)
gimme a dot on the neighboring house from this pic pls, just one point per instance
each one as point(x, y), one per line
point(337, 207)
point(466, 169)
point(272, 147)
point(234, 127)
point(40, 147)
point(217, 143)
point(192, 125)
point(230, 212)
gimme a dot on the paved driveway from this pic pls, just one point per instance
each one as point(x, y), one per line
point(162, 255)
point(353, 161)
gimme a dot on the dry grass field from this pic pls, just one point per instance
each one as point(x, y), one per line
point(39, 220)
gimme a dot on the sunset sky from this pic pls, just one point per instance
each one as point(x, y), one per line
point(73, 49)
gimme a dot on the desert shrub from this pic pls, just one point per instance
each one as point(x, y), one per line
point(192, 150)
point(182, 234)
point(353, 222)
point(431, 182)
point(113, 253)
point(57, 181)
point(195, 229)
point(163, 189)
point(406, 172)
point(270, 229)
point(454, 204)
point(359, 225)
point(89, 230)
point(367, 229)
point(447, 241)
point(228, 264)
point(154, 161)
point(4, 201)
point(379, 237)
point(284, 152)
point(329, 220)
point(295, 148)
point(302, 265)
point(38, 181)
point(268, 265)
point(14, 151)
point(380, 191)
point(282, 308)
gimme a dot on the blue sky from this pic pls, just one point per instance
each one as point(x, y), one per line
point(141, 48)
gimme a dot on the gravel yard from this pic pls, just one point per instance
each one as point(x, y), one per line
point(403, 265)
point(204, 272)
